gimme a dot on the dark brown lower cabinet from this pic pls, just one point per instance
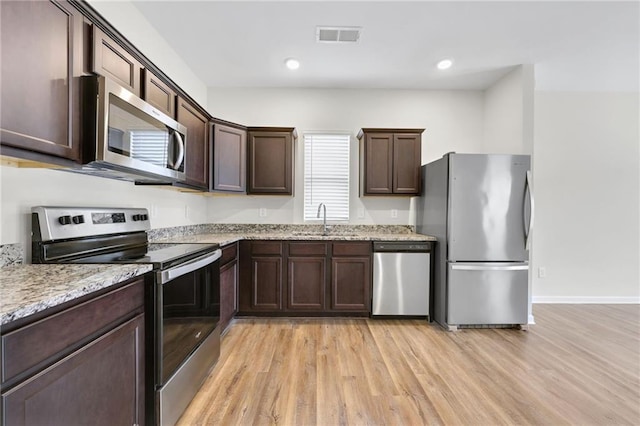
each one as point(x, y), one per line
point(99, 384)
point(82, 365)
point(306, 283)
point(266, 283)
point(228, 284)
point(321, 278)
point(350, 284)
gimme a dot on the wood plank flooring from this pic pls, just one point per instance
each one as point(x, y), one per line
point(580, 364)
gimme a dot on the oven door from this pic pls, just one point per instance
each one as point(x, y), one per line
point(187, 311)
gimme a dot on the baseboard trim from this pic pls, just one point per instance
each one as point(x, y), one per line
point(601, 300)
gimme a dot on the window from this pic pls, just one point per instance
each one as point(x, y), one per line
point(326, 175)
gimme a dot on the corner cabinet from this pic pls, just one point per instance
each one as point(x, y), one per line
point(229, 161)
point(390, 161)
point(42, 48)
point(197, 146)
point(228, 284)
point(270, 160)
point(82, 365)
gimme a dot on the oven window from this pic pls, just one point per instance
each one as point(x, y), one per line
point(190, 312)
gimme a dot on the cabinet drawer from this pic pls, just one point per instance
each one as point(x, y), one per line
point(267, 248)
point(352, 249)
point(229, 253)
point(307, 249)
point(38, 344)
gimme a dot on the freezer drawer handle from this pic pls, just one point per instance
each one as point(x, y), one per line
point(489, 268)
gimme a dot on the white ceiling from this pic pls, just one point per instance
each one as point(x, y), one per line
point(574, 45)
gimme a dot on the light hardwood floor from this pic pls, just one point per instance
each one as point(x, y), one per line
point(580, 364)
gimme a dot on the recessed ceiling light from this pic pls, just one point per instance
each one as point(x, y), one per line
point(445, 64)
point(292, 64)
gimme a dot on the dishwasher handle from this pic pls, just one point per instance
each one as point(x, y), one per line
point(402, 246)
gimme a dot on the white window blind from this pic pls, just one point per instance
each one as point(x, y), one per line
point(326, 175)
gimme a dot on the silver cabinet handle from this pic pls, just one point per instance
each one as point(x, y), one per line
point(199, 262)
point(490, 268)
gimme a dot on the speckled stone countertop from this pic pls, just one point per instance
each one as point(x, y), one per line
point(228, 238)
point(229, 233)
point(28, 289)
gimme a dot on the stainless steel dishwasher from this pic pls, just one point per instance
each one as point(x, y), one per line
point(401, 278)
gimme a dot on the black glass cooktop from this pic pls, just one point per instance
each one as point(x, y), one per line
point(161, 255)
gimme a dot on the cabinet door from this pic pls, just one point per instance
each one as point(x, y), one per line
point(229, 158)
point(270, 163)
point(158, 94)
point(306, 283)
point(266, 283)
point(378, 151)
point(406, 163)
point(41, 60)
point(113, 61)
point(197, 148)
point(100, 384)
point(228, 293)
point(351, 284)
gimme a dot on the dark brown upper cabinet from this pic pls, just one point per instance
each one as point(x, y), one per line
point(42, 47)
point(197, 145)
point(270, 160)
point(113, 61)
point(390, 161)
point(158, 93)
point(229, 166)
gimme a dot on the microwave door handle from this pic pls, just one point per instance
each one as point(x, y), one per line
point(177, 140)
point(185, 268)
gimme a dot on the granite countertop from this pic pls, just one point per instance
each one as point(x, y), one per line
point(28, 289)
point(228, 238)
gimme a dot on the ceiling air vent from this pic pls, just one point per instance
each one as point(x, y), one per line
point(338, 34)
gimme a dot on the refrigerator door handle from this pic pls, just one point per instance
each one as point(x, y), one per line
point(528, 226)
point(489, 267)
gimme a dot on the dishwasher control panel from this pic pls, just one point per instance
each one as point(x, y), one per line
point(402, 246)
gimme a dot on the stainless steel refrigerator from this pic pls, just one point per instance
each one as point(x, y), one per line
point(479, 206)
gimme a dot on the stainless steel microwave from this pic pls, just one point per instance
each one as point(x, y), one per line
point(124, 137)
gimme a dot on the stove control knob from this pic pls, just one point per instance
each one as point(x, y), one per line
point(78, 219)
point(144, 217)
point(136, 217)
point(64, 220)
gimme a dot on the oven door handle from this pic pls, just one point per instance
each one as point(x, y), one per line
point(193, 265)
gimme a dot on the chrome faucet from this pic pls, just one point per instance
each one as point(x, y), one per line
point(325, 228)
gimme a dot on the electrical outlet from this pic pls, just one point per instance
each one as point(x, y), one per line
point(542, 272)
point(360, 213)
point(262, 212)
point(186, 212)
point(394, 213)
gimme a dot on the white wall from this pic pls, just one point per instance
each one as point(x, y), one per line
point(508, 113)
point(586, 181)
point(453, 121)
point(24, 188)
point(128, 20)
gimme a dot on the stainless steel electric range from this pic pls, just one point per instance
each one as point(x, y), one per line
point(183, 304)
